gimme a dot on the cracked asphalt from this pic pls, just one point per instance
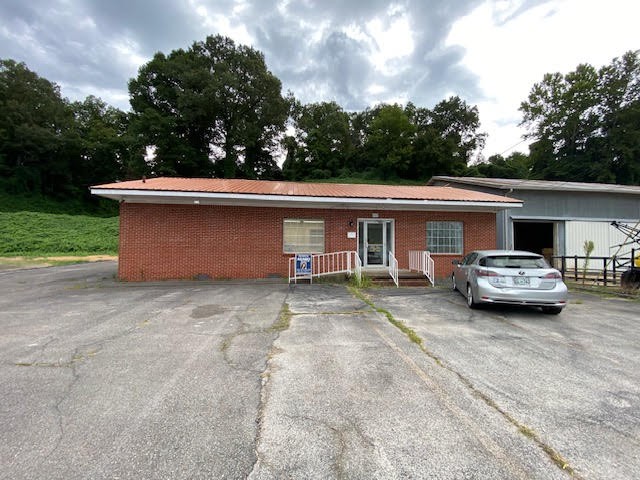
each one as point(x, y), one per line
point(101, 379)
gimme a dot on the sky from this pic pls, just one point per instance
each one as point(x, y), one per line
point(357, 53)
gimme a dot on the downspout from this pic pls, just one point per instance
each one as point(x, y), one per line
point(508, 236)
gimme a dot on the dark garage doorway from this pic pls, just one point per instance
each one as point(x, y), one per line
point(534, 237)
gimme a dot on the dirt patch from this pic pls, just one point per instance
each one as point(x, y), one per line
point(16, 263)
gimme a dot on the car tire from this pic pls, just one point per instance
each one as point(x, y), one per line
point(471, 303)
point(453, 282)
point(551, 310)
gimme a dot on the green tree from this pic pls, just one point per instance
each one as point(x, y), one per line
point(516, 165)
point(323, 141)
point(33, 127)
point(216, 102)
point(388, 142)
point(585, 123)
point(103, 147)
point(447, 138)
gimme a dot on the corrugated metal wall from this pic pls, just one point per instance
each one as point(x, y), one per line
point(602, 234)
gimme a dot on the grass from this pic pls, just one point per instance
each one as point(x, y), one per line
point(284, 319)
point(408, 331)
point(39, 227)
point(611, 291)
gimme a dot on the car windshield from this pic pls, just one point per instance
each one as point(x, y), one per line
point(514, 261)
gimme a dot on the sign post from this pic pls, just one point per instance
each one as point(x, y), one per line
point(304, 268)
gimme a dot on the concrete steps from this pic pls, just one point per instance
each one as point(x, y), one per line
point(406, 278)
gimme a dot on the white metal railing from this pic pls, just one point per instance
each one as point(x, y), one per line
point(393, 268)
point(328, 264)
point(421, 261)
point(357, 269)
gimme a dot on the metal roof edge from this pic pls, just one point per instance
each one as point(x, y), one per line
point(545, 185)
point(149, 196)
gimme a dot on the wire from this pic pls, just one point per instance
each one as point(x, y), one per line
point(513, 146)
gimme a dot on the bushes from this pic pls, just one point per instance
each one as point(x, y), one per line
point(35, 233)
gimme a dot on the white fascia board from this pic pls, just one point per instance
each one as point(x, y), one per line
point(243, 199)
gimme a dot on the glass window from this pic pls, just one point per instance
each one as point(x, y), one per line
point(303, 236)
point(444, 237)
point(513, 261)
point(469, 259)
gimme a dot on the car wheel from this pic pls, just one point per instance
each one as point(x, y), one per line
point(551, 310)
point(470, 301)
point(453, 282)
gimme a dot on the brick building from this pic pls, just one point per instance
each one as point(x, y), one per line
point(174, 228)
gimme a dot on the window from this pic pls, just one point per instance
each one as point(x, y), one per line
point(515, 261)
point(469, 259)
point(444, 237)
point(303, 236)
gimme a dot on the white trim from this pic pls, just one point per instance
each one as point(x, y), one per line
point(243, 199)
point(426, 237)
point(389, 248)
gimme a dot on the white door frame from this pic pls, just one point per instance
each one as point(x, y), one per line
point(387, 223)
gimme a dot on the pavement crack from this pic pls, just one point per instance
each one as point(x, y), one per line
point(63, 397)
point(281, 323)
point(523, 429)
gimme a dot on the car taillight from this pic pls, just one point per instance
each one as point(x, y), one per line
point(487, 273)
point(553, 275)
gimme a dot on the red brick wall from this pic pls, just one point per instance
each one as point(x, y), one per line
point(180, 241)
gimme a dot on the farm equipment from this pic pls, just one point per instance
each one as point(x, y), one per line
point(630, 279)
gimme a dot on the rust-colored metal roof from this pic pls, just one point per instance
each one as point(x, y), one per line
point(300, 189)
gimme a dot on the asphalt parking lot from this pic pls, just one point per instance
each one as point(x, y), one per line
point(101, 379)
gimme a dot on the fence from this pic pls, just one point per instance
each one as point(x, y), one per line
point(604, 270)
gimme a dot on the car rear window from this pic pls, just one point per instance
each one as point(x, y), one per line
point(514, 261)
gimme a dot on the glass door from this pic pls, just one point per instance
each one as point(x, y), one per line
point(375, 238)
point(376, 244)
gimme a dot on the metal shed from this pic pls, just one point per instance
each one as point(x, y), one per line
point(557, 217)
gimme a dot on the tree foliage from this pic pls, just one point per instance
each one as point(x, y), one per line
point(383, 142)
point(586, 124)
point(53, 147)
point(214, 108)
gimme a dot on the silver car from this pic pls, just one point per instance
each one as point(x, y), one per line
point(509, 277)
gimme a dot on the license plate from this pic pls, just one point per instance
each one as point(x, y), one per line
point(521, 281)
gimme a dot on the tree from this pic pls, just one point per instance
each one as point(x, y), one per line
point(585, 123)
point(214, 102)
point(103, 147)
point(447, 138)
point(33, 127)
point(389, 141)
point(323, 141)
point(516, 165)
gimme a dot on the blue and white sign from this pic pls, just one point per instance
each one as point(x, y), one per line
point(303, 264)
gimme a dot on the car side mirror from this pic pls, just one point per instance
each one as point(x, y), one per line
point(456, 262)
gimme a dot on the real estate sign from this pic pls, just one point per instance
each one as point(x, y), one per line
point(303, 264)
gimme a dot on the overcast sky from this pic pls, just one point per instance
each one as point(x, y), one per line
point(357, 53)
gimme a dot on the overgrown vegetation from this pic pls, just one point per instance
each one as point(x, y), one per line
point(36, 226)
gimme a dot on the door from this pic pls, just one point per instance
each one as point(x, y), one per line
point(375, 242)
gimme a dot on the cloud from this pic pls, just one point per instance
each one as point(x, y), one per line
point(357, 53)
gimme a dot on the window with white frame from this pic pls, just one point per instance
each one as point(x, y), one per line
point(445, 237)
point(301, 235)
